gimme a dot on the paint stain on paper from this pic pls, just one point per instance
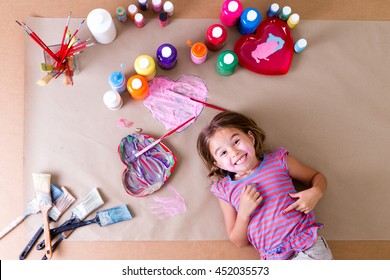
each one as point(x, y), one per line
point(124, 123)
point(165, 207)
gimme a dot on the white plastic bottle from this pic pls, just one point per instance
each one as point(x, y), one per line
point(101, 25)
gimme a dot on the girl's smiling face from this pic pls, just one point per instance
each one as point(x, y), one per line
point(233, 150)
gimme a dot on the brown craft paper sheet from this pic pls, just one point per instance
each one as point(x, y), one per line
point(330, 111)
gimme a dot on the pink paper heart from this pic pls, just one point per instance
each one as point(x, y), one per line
point(170, 103)
point(269, 51)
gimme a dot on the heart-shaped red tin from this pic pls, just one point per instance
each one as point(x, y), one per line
point(147, 173)
point(269, 51)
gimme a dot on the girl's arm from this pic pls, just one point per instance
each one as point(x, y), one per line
point(237, 223)
point(307, 199)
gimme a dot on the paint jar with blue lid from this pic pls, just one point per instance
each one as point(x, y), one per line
point(249, 21)
point(300, 45)
point(273, 10)
point(117, 81)
point(227, 63)
point(166, 56)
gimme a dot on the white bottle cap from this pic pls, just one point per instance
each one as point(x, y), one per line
point(132, 9)
point(232, 6)
point(136, 83)
point(252, 15)
point(228, 58)
point(275, 7)
point(294, 18)
point(138, 17)
point(302, 43)
point(286, 10)
point(216, 32)
point(156, 2)
point(112, 100)
point(166, 52)
point(144, 63)
point(168, 6)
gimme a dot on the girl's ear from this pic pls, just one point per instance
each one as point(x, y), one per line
point(216, 164)
point(251, 136)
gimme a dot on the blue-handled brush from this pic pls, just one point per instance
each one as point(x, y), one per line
point(102, 218)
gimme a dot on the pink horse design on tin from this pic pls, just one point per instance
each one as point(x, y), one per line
point(264, 50)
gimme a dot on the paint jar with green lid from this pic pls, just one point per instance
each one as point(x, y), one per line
point(227, 63)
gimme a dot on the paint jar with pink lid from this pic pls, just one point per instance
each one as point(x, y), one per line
point(139, 20)
point(230, 12)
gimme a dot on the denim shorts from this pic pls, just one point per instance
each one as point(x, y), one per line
point(318, 251)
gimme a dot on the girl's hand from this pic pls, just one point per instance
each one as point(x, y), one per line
point(249, 200)
point(306, 200)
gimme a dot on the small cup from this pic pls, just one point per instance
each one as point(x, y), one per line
point(198, 53)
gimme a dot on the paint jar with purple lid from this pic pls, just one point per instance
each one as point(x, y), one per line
point(231, 12)
point(143, 4)
point(166, 56)
point(117, 81)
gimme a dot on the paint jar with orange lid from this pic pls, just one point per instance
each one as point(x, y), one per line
point(198, 52)
point(146, 66)
point(138, 87)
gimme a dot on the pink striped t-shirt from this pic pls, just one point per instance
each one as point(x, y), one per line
point(274, 234)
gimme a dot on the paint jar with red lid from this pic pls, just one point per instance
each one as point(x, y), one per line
point(216, 37)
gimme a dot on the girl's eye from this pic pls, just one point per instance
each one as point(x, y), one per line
point(236, 141)
point(222, 154)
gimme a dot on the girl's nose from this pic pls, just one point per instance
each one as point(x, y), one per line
point(234, 152)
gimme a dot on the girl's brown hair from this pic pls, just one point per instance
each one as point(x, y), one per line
point(228, 119)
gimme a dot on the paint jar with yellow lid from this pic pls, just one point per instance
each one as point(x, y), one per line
point(198, 52)
point(146, 66)
point(138, 87)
